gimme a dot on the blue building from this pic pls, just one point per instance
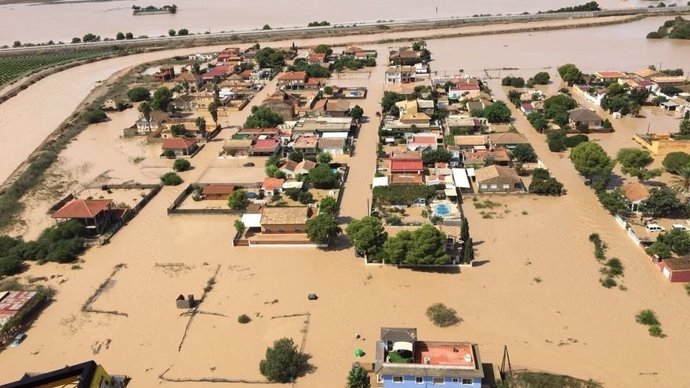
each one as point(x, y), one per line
point(402, 361)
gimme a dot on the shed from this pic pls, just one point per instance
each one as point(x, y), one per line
point(251, 220)
point(676, 270)
point(183, 303)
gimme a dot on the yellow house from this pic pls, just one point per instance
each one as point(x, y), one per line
point(85, 375)
point(662, 143)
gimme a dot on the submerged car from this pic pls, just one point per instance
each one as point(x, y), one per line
point(18, 339)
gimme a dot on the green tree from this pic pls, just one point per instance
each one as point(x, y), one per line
point(240, 227)
point(389, 99)
point(172, 32)
point(591, 160)
point(541, 78)
point(634, 162)
point(178, 130)
point(468, 252)
point(323, 49)
point(120, 36)
point(368, 235)
point(465, 229)
point(200, 123)
point(328, 205)
point(675, 161)
point(678, 240)
point(161, 98)
point(145, 109)
point(662, 202)
point(556, 140)
point(296, 156)
point(659, 249)
point(263, 117)
point(129, 35)
point(324, 157)
point(266, 27)
point(684, 126)
point(357, 112)
point(322, 228)
point(395, 248)
point(358, 378)
point(181, 165)
point(283, 362)
point(90, 38)
point(614, 201)
point(441, 315)
point(238, 200)
point(538, 121)
point(183, 32)
point(683, 178)
point(95, 116)
point(558, 105)
point(497, 112)
point(322, 177)
point(138, 94)
point(213, 110)
point(570, 73)
point(524, 153)
point(428, 247)
point(171, 179)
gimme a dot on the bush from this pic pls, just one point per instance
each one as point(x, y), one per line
point(573, 141)
point(95, 116)
point(441, 315)
point(655, 331)
point(171, 179)
point(647, 317)
point(556, 141)
point(675, 161)
point(394, 220)
point(138, 94)
point(182, 165)
point(322, 177)
point(244, 319)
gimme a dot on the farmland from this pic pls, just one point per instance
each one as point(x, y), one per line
point(15, 67)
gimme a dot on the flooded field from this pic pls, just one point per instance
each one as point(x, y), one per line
point(63, 21)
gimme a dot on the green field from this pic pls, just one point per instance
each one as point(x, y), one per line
point(15, 67)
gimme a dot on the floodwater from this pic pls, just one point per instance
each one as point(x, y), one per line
point(61, 22)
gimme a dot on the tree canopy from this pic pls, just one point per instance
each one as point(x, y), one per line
point(570, 73)
point(634, 162)
point(161, 98)
point(322, 228)
point(424, 246)
point(497, 112)
point(263, 117)
point(138, 94)
point(674, 161)
point(662, 202)
point(322, 177)
point(238, 200)
point(591, 160)
point(283, 362)
point(524, 153)
point(367, 234)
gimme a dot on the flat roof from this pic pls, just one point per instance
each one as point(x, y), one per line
point(284, 215)
point(251, 220)
point(461, 179)
point(457, 354)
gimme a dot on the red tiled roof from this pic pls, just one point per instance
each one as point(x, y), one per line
point(266, 144)
point(465, 87)
point(272, 183)
point(611, 74)
point(406, 165)
point(217, 71)
point(423, 140)
point(218, 189)
point(177, 143)
point(83, 208)
point(293, 76)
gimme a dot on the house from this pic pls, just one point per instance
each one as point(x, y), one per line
point(463, 92)
point(265, 147)
point(202, 100)
point(236, 147)
point(648, 73)
point(479, 157)
point(85, 375)
point(507, 140)
point(306, 144)
point(608, 76)
point(316, 58)
point(332, 145)
point(331, 108)
point(109, 105)
point(153, 124)
point(95, 214)
point(635, 192)
point(272, 186)
point(404, 56)
point(16, 302)
point(184, 103)
point(593, 94)
point(228, 53)
point(422, 141)
point(667, 80)
point(320, 125)
point(257, 133)
point(220, 71)
point(676, 270)
point(217, 191)
point(406, 166)
point(186, 76)
point(661, 143)
point(282, 103)
point(402, 360)
point(400, 74)
point(470, 142)
point(415, 118)
point(164, 73)
point(288, 168)
point(498, 179)
point(284, 219)
point(426, 106)
point(465, 123)
point(313, 83)
point(584, 117)
point(292, 80)
point(180, 146)
point(292, 168)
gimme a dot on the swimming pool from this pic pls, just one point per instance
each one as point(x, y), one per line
point(442, 210)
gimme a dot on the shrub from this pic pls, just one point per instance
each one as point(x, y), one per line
point(573, 141)
point(95, 116)
point(170, 154)
point(171, 179)
point(244, 319)
point(556, 141)
point(655, 331)
point(394, 220)
point(283, 362)
point(181, 165)
point(647, 317)
point(608, 282)
point(138, 94)
point(442, 315)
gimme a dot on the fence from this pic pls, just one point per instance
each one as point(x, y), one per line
point(131, 213)
point(174, 208)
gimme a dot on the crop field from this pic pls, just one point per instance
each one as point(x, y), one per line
point(15, 67)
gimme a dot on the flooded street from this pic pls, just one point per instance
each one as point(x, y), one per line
point(62, 22)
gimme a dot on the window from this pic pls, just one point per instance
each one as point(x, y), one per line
point(419, 380)
point(494, 186)
point(467, 382)
point(398, 379)
point(483, 186)
point(506, 187)
point(438, 380)
point(456, 380)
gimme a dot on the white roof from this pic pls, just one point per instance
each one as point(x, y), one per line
point(337, 135)
point(251, 220)
point(470, 171)
point(293, 185)
point(451, 193)
point(402, 346)
point(380, 181)
point(460, 178)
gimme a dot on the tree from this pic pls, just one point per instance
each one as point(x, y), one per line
point(172, 32)
point(138, 94)
point(660, 249)
point(129, 35)
point(558, 105)
point(524, 153)
point(240, 227)
point(95, 116)
point(497, 112)
point(200, 123)
point(441, 315)
point(678, 240)
point(213, 110)
point(591, 160)
point(283, 362)
point(548, 186)
point(296, 156)
point(322, 177)
point(465, 229)
point(324, 157)
point(90, 38)
point(323, 49)
point(684, 126)
point(357, 112)
point(161, 98)
point(684, 178)
point(468, 252)
point(178, 130)
point(171, 179)
point(614, 201)
point(266, 27)
point(145, 109)
point(183, 32)
point(120, 36)
point(395, 248)
point(389, 99)
point(427, 247)
point(662, 202)
point(238, 200)
point(541, 78)
point(538, 121)
point(634, 162)
point(76, 40)
point(368, 235)
point(328, 205)
point(358, 378)
point(10, 265)
point(322, 228)
point(263, 117)
point(556, 140)
point(438, 155)
point(181, 165)
point(570, 73)
point(675, 161)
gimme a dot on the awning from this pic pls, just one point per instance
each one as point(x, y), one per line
point(460, 178)
point(251, 220)
point(402, 346)
point(451, 193)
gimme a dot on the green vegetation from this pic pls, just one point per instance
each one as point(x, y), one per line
point(590, 6)
point(516, 82)
point(497, 112)
point(328, 205)
point(591, 160)
point(268, 57)
point(263, 117)
point(648, 318)
point(525, 379)
point(313, 71)
point(544, 184)
point(541, 78)
point(322, 177)
point(388, 102)
point(181, 165)
point(441, 315)
point(614, 201)
point(94, 116)
point(358, 378)
point(240, 227)
point(634, 162)
point(367, 235)
point(357, 112)
point(401, 194)
point(138, 94)
point(663, 202)
point(677, 28)
point(675, 161)
point(171, 179)
point(28, 311)
point(524, 153)
point(138, 10)
point(352, 63)
point(423, 246)
point(318, 24)
point(322, 228)
point(675, 241)
point(283, 362)
point(244, 319)
point(570, 74)
point(611, 268)
point(238, 200)
point(14, 67)
point(538, 121)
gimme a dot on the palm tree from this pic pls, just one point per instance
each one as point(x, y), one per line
point(145, 109)
point(684, 179)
